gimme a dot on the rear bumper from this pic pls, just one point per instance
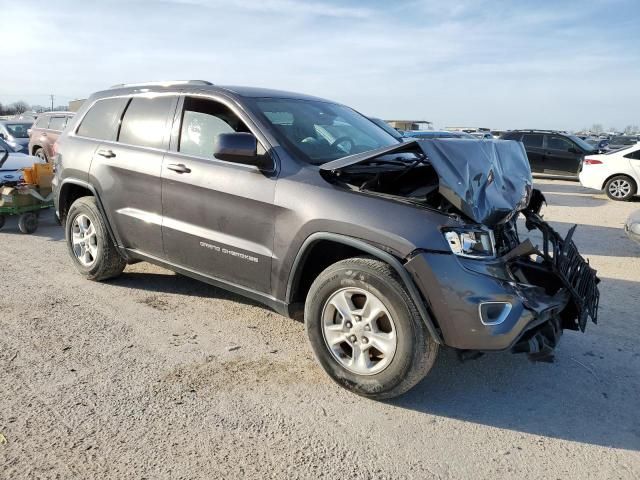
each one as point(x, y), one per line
point(591, 179)
point(476, 306)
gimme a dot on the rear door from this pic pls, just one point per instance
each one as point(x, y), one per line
point(533, 144)
point(56, 125)
point(127, 168)
point(562, 156)
point(218, 216)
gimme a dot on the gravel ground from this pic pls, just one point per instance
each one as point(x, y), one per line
point(154, 375)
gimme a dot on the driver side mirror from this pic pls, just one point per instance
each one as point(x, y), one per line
point(240, 147)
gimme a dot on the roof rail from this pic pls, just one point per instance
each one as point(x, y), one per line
point(167, 83)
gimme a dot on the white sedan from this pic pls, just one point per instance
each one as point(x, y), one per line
point(617, 172)
point(12, 163)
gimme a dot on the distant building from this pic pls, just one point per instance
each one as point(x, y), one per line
point(410, 124)
point(467, 129)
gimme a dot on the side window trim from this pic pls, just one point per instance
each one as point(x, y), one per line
point(176, 129)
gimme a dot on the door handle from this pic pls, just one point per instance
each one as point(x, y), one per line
point(179, 168)
point(106, 153)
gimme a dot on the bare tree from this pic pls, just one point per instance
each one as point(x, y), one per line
point(19, 107)
point(596, 128)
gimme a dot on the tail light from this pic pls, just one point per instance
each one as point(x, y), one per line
point(592, 161)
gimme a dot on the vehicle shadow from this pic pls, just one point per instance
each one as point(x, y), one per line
point(589, 394)
point(559, 186)
point(569, 200)
point(47, 226)
point(173, 283)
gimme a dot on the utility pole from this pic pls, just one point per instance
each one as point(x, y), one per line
point(51, 102)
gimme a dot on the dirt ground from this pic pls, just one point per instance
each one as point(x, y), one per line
point(154, 376)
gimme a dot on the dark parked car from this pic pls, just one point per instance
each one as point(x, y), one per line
point(387, 249)
point(552, 153)
point(45, 132)
point(16, 134)
point(621, 141)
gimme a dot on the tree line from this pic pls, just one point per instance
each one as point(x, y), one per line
point(19, 107)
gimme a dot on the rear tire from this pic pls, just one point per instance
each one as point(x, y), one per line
point(621, 188)
point(28, 223)
point(93, 253)
point(398, 350)
point(41, 154)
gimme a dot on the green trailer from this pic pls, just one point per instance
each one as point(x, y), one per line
point(27, 213)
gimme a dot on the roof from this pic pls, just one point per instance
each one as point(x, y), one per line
point(204, 86)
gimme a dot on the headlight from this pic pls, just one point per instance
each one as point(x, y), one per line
point(472, 243)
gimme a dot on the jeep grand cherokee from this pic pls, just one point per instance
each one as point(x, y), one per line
point(388, 250)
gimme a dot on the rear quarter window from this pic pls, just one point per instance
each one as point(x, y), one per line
point(633, 155)
point(42, 122)
point(57, 123)
point(102, 119)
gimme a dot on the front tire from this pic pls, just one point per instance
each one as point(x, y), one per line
point(93, 253)
point(365, 330)
point(620, 187)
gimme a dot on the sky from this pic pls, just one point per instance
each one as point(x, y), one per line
point(497, 64)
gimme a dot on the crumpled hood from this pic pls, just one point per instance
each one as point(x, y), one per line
point(487, 180)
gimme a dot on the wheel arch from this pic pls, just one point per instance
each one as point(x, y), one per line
point(322, 249)
point(606, 180)
point(72, 189)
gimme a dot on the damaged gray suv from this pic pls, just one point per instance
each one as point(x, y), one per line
point(388, 250)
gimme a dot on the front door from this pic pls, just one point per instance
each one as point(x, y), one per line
point(562, 156)
point(218, 216)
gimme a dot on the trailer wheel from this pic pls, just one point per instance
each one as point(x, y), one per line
point(2, 219)
point(28, 222)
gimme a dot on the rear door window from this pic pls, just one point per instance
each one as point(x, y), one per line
point(145, 121)
point(532, 140)
point(101, 121)
point(57, 123)
point(633, 155)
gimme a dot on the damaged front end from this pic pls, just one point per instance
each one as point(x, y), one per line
point(498, 291)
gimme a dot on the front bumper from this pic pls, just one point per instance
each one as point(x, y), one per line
point(456, 291)
point(492, 305)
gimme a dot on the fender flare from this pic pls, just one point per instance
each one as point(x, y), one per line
point(375, 252)
point(88, 186)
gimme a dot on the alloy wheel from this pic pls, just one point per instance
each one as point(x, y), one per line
point(620, 188)
point(359, 331)
point(85, 240)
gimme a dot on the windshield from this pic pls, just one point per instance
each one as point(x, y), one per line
point(18, 130)
point(5, 146)
point(582, 144)
point(320, 132)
